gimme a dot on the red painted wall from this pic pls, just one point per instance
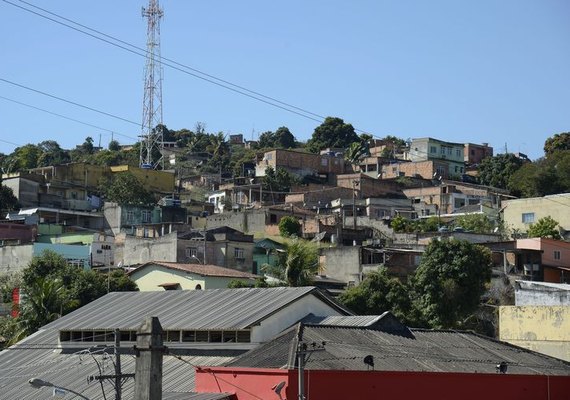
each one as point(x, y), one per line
point(253, 384)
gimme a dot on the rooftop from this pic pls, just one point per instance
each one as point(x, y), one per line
point(423, 351)
point(199, 269)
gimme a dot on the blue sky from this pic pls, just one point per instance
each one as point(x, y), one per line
point(477, 71)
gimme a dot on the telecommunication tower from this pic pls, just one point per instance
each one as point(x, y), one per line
point(152, 136)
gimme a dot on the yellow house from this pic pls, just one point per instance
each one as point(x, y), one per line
point(157, 276)
point(521, 213)
point(545, 329)
point(153, 181)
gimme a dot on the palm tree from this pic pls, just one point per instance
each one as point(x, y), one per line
point(358, 150)
point(298, 264)
point(43, 302)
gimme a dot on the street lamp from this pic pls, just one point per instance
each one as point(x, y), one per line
point(38, 383)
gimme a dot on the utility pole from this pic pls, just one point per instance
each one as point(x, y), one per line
point(119, 376)
point(152, 140)
point(302, 351)
point(149, 351)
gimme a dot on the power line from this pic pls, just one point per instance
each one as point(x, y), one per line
point(179, 67)
point(64, 117)
point(174, 61)
point(68, 101)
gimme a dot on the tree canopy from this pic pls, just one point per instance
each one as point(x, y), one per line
point(54, 287)
point(545, 227)
point(282, 138)
point(8, 201)
point(332, 133)
point(542, 177)
point(125, 188)
point(496, 171)
point(378, 292)
point(298, 264)
point(558, 142)
point(289, 226)
point(279, 180)
point(449, 282)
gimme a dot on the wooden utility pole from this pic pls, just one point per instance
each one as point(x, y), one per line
point(149, 350)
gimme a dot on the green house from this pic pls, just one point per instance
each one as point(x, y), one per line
point(265, 251)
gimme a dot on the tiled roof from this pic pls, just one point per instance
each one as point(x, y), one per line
point(426, 350)
point(199, 269)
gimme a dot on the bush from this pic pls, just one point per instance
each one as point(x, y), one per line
point(289, 226)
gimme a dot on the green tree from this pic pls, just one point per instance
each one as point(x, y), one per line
point(282, 138)
point(114, 146)
point(26, 157)
point(289, 226)
point(298, 264)
point(477, 223)
point(496, 171)
point(125, 188)
point(52, 154)
point(545, 227)
point(449, 282)
point(558, 142)
point(57, 288)
point(356, 151)
point(44, 301)
point(279, 180)
point(377, 293)
point(400, 224)
point(8, 201)
point(332, 133)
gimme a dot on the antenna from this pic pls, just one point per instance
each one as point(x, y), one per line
point(152, 145)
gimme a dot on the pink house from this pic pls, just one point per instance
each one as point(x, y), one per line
point(555, 258)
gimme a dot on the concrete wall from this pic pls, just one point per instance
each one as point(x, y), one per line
point(555, 206)
point(342, 263)
point(15, 258)
point(541, 294)
point(245, 221)
point(25, 190)
point(135, 250)
point(545, 329)
point(152, 180)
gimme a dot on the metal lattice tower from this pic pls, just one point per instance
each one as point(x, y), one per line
point(152, 136)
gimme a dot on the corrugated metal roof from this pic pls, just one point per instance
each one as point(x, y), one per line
point(37, 357)
point(428, 351)
point(230, 309)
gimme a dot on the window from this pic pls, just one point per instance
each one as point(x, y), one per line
point(145, 216)
point(238, 253)
point(458, 152)
point(130, 216)
point(556, 254)
point(432, 149)
point(191, 252)
point(528, 218)
point(472, 152)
